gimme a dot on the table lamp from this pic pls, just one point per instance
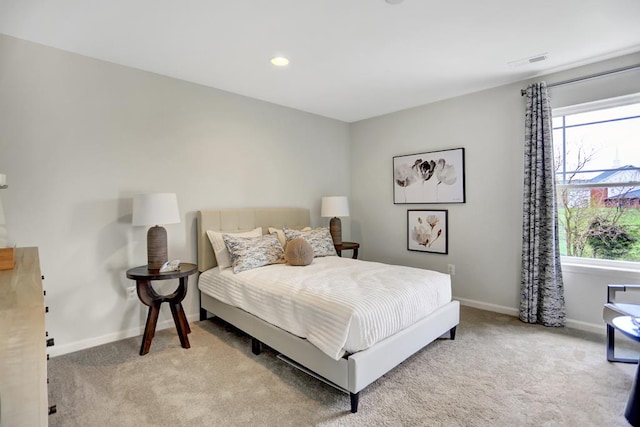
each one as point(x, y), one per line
point(334, 207)
point(154, 209)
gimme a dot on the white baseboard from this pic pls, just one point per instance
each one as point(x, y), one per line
point(60, 349)
point(588, 327)
point(488, 307)
point(575, 324)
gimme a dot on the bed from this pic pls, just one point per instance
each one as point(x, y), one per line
point(351, 372)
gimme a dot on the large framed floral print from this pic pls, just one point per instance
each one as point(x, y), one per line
point(429, 177)
point(427, 231)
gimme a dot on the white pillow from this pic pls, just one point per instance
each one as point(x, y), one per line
point(220, 249)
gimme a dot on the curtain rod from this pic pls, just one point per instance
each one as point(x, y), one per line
point(523, 92)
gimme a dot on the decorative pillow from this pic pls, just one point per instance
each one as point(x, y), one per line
point(220, 249)
point(298, 252)
point(280, 233)
point(251, 252)
point(319, 239)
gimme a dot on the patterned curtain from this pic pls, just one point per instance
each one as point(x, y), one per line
point(542, 293)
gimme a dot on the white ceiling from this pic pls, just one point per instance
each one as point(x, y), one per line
point(350, 59)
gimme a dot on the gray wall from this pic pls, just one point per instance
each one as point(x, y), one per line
point(485, 232)
point(79, 137)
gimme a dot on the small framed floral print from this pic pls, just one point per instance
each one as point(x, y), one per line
point(427, 231)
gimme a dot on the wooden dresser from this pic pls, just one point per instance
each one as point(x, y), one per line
point(23, 359)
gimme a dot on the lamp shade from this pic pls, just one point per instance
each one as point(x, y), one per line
point(334, 206)
point(155, 209)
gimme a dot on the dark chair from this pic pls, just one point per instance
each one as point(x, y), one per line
point(614, 309)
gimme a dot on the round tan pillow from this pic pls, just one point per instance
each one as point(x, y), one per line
point(298, 252)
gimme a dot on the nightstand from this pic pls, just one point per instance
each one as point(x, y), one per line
point(348, 246)
point(149, 297)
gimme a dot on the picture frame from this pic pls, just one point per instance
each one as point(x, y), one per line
point(429, 177)
point(428, 230)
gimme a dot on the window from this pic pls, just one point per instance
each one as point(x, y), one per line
point(597, 159)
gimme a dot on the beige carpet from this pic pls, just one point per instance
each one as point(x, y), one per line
point(497, 372)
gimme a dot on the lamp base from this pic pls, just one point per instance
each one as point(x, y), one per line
point(335, 227)
point(156, 248)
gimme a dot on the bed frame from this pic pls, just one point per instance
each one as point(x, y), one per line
point(353, 372)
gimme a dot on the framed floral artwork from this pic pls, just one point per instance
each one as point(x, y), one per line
point(429, 177)
point(427, 231)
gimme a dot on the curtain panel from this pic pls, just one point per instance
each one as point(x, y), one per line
point(542, 289)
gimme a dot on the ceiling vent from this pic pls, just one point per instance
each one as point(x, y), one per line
point(530, 60)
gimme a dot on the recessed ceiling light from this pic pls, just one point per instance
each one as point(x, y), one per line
point(394, 1)
point(279, 61)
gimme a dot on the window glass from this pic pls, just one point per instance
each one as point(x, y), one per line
point(604, 114)
point(557, 122)
point(597, 159)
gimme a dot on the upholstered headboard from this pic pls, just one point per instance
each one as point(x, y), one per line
point(245, 219)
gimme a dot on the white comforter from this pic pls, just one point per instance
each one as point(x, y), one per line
point(338, 304)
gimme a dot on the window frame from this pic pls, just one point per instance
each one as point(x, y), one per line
point(581, 263)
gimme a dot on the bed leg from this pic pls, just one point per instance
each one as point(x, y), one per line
point(203, 314)
point(452, 333)
point(255, 346)
point(355, 397)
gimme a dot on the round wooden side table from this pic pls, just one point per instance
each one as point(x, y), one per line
point(345, 246)
point(151, 298)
